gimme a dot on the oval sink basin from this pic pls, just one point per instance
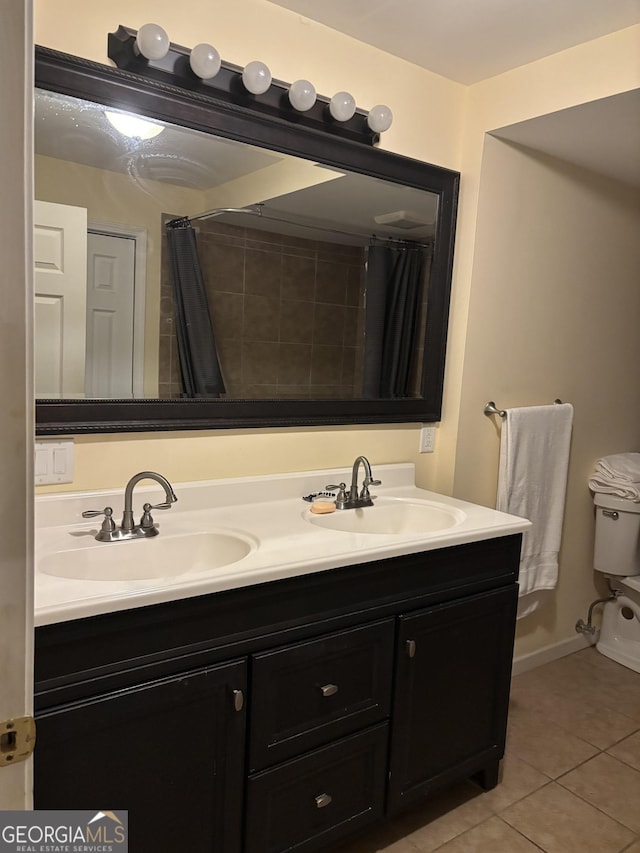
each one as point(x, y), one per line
point(391, 516)
point(145, 559)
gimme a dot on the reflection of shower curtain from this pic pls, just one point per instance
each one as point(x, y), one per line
point(199, 365)
point(394, 285)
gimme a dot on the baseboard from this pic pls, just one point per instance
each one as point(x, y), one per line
point(531, 660)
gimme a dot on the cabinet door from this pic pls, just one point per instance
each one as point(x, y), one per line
point(171, 752)
point(452, 693)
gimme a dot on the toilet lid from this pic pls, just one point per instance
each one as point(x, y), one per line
point(632, 583)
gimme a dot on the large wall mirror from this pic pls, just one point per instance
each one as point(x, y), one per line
point(324, 264)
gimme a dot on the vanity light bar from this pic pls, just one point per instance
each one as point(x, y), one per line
point(148, 52)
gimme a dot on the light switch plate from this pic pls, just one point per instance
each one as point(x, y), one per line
point(53, 462)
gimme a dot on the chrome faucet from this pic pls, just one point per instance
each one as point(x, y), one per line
point(354, 499)
point(128, 529)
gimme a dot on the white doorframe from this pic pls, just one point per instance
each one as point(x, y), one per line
point(139, 235)
point(16, 386)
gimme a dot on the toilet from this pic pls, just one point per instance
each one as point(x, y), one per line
point(617, 555)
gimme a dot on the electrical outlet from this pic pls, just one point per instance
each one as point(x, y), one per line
point(427, 438)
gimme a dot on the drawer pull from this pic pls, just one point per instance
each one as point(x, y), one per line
point(411, 648)
point(323, 800)
point(238, 700)
point(329, 689)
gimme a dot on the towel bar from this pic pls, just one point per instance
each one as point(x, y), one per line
point(491, 409)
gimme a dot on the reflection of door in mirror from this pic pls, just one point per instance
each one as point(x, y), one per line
point(60, 254)
point(115, 311)
point(110, 271)
point(85, 317)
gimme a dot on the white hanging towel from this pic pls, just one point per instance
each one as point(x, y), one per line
point(532, 483)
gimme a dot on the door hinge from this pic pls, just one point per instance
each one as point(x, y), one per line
point(17, 740)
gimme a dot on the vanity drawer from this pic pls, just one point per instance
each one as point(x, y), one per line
point(310, 802)
point(310, 693)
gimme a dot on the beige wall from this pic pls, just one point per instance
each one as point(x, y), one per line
point(501, 304)
point(108, 461)
point(553, 313)
point(597, 69)
point(444, 123)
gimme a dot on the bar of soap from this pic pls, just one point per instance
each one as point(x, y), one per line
point(321, 507)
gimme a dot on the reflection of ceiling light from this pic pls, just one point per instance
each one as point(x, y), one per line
point(132, 126)
point(401, 219)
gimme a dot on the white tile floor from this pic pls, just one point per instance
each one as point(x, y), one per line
point(570, 777)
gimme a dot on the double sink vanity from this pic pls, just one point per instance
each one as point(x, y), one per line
point(255, 676)
point(259, 677)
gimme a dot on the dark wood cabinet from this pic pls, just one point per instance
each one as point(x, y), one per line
point(284, 715)
point(170, 751)
point(452, 685)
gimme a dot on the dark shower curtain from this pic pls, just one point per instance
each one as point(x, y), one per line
point(394, 289)
point(199, 364)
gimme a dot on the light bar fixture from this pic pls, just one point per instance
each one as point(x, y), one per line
point(149, 52)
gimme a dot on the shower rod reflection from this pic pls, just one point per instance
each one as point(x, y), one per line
point(185, 221)
point(257, 210)
point(491, 409)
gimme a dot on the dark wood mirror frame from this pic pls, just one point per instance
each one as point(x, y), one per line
point(92, 81)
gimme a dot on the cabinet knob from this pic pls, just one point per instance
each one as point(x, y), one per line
point(411, 648)
point(323, 800)
point(238, 700)
point(329, 689)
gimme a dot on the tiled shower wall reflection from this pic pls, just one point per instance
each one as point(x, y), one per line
point(287, 314)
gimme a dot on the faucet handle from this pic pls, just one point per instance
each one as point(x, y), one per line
point(341, 497)
point(108, 525)
point(147, 520)
point(368, 481)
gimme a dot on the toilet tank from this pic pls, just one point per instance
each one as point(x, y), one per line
point(617, 545)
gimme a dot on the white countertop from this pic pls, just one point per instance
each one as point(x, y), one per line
point(267, 512)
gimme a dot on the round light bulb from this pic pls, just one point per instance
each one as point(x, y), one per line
point(256, 77)
point(302, 95)
point(379, 118)
point(342, 106)
point(152, 41)
point(205, 61)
